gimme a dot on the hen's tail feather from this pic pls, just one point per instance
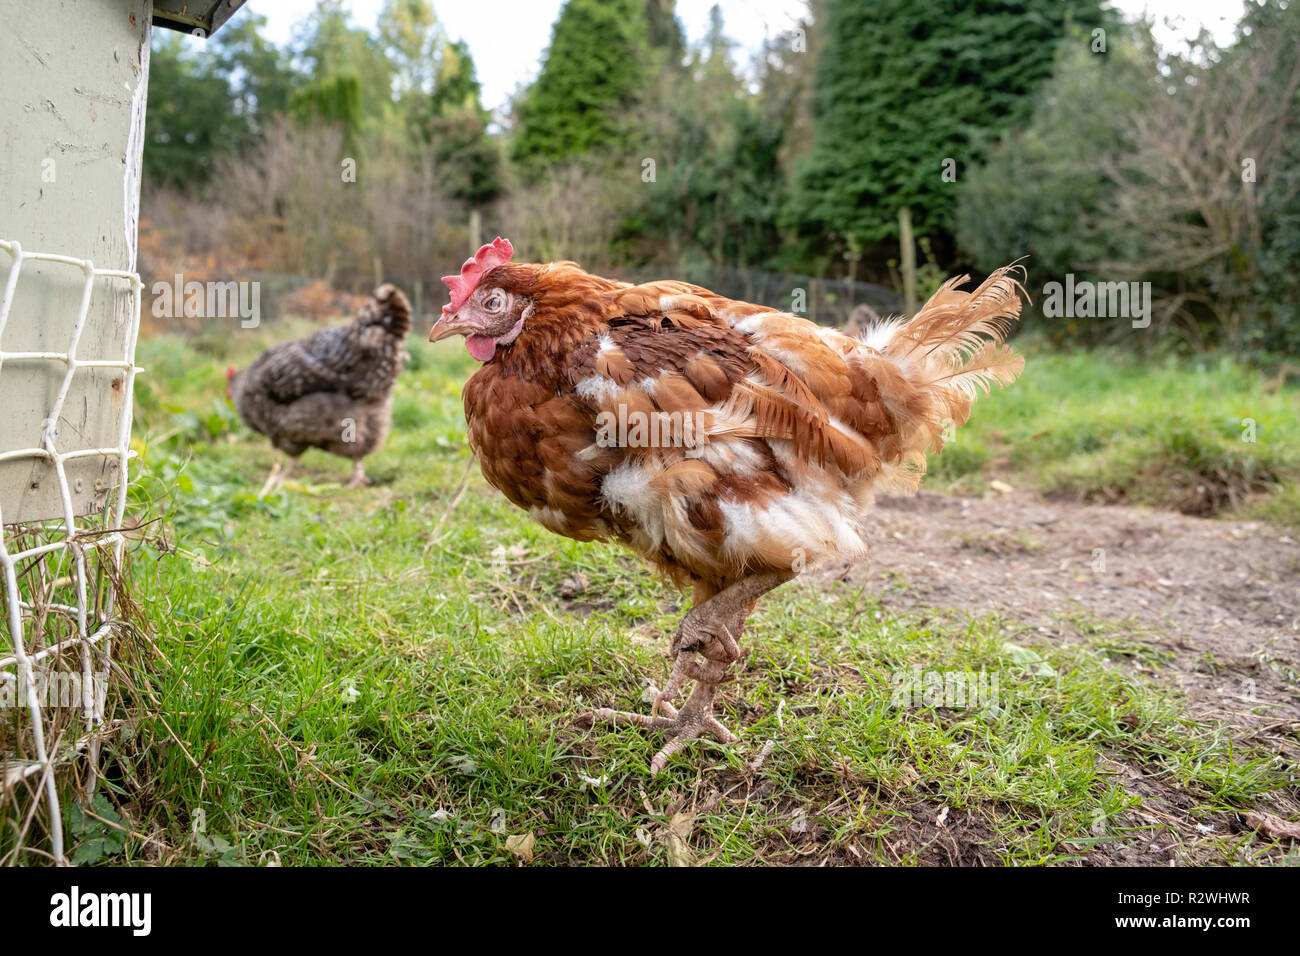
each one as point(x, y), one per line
point(390, 302)
point(951, 352)
point(990, 364)
point(953, 322)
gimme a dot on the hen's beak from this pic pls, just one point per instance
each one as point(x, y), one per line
point(449, 323)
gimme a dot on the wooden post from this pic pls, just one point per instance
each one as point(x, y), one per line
point(475, 231)
point(907, 260)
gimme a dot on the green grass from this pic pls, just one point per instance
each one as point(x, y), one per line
point(1112, 427)
point(391, 675)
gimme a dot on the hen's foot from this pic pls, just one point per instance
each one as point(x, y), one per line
point(693, 721)
point(716, 646)
point(358, 477)
point(276, 478)
point(706, 644)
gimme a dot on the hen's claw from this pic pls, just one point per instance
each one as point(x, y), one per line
point(703, 655)
point(279, 474)
point(357, 479)
point(704, 647)
point(693, 721)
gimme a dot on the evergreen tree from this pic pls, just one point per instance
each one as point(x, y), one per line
point(719, 176)
point(663, 30)
point(593, 75)
point(334, 100)
point(903, 86)
point(1277, 289)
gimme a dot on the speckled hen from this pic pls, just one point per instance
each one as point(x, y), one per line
point(728, 444)
point(332, 390)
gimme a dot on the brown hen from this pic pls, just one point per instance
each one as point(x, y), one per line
point(728, 444)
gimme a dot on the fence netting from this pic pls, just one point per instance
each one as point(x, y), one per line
point(59, 607)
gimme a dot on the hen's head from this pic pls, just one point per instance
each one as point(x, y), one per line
point(487, 305)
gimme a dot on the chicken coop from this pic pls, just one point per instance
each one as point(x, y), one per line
point(75, 74)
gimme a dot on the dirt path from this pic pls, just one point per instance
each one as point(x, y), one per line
point(1211, 606)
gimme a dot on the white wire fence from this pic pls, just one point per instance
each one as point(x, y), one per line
point(59, 608)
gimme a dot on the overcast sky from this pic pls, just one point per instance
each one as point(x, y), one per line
point(508, 39)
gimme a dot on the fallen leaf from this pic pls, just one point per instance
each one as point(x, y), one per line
point(521, 845)
point(997, 484)
point(1274, 827)
point(1029, 659)
point(679, 832)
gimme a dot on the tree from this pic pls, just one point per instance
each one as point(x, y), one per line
point(212, 99)
point(592, 77)
point(456, 127)
point(1277, 282)
point(903, 87)
point(1176, 171)
point(412, 42)
point(664, 30)
point(716, 189)
point(259, 74)
point(330, 47)
point(334, 100)
point(1043, 190)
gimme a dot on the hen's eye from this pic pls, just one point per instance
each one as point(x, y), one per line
point(496, 301)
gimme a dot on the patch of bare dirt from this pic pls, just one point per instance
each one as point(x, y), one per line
point(1216, 602)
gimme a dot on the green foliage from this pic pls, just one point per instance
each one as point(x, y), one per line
point(1202, 437)
point(209, 101)
point(453, 121)
point(593, 75)
point(97, 831)
point(334, 100)
point(1043, 191)
point(720, 154)
point(1277, 290)
point(259, 74)
point(797, 162)
point(1133, 167)
point(901, 87)
point(456, 86)
point(1277, 293)
point(331, 47)
point(413, 45)
point(402, 101)
point(664, 30)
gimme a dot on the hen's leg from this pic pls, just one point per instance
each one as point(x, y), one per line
point(358, 477)
point(702, 591)
point(270, 479)
point(710, 630)
point(277, 476)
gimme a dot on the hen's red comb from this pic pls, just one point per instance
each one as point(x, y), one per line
point(495, 253)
